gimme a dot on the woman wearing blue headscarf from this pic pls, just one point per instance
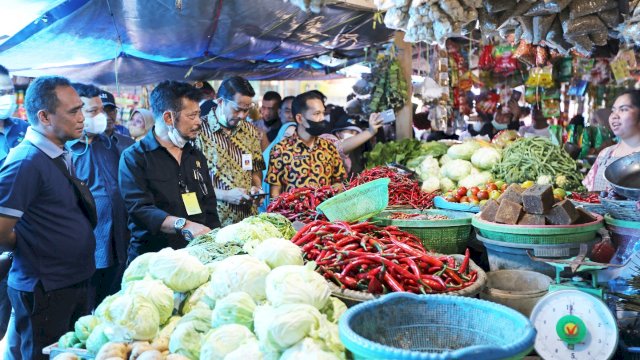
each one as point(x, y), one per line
point(286, 130)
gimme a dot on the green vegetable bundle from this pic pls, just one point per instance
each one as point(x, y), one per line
point(390, 87)
point(403, 152)
point(536, 158)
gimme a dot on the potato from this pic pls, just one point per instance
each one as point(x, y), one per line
point(151, 355)
point(138, 348)
point(112, 350)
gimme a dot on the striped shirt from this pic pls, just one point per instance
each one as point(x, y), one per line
point(224, 151)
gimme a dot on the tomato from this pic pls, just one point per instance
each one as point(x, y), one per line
point(474, 202)
point(474, 190)
point(482, 202)
point(464, 199)
point(451, 198)
point(457, 197)
point(462, 191)
point(483, 195)
point(499, 184)
point(494, 195)
point(559, 193)
point(492, 186)
point(473, 198)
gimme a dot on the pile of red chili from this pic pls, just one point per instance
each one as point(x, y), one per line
point(403, 190)
point(300, 204)
point(591, 198)
point(406, 216)
point(365, 257)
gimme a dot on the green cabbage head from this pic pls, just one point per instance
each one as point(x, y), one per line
point(235, 308)
point(223, 340)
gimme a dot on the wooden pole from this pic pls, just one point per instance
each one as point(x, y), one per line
point(404, 117)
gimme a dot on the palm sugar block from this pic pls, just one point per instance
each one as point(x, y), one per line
point(513, 194)
point(489, 211)
point(585, 216)
point(509, 212)
point(538, 199)
point(532, 219)
point(563, 213)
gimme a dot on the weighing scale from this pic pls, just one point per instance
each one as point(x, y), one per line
point(572, 320)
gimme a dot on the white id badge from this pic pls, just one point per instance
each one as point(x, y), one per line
point(247, 163)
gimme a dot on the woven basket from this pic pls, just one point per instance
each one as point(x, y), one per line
point(594, 208)
point(359, 203)
point(442, 236)
point(406, 326)
point(538, 234)
point(621, 209)
point(352, 297)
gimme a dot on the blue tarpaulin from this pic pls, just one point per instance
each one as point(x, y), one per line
point(144, 41)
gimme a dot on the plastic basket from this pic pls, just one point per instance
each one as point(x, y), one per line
point(594, 208)
point(359, 203)
point(441, 203)
point(352, 297)
point(442, 236)
point(621, 209)
point(538, 234)
point(409, 326)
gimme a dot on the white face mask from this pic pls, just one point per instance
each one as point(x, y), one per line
point(345, 136)
point(95, 125)
point(174, 135)
point(499, 126)
point(7, 106)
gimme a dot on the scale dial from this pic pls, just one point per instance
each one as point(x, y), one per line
point(571, 324)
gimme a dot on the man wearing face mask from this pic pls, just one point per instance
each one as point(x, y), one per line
point(95, 158)
point(164, 180)
point(304, 159)
point(12, 132)
point(232, 148)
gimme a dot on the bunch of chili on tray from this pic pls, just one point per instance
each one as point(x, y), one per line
point(407, 216)
point(365, 257)
point(403, 190)
point(591, 198)
point(300, 204)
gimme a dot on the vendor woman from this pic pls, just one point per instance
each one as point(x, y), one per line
point(625, 124)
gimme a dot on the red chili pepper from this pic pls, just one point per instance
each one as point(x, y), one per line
point(393, 283)
point(452, 275)
point(465, 262)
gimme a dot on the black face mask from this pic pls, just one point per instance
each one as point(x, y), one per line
point(271, 122)
point(317, 128)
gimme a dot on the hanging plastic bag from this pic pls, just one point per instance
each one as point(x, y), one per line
point(581, 8)
point(505, 63)
point(486, 61)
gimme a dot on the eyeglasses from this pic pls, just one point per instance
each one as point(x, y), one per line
point(4, 92)
point(238, 109)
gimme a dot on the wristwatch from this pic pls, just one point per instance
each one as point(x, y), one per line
point(179, 224)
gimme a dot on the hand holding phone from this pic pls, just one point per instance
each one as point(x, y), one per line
point(388, 116)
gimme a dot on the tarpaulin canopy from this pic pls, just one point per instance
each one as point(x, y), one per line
point(144, 41)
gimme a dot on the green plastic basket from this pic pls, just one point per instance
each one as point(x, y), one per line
point(539, 234)
point(359, 203)
point(442, 236)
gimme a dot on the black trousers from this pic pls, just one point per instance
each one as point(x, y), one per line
point(41, 317)
point(105, 282)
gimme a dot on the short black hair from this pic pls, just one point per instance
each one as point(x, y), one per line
point(233, 85)
point(320, 94)
point(634, 95)
point(4, 71)
point(41, 95)
point(272, 95)
point(168, 96)
point(286, 98)
point(299, 104)
point(86, 90)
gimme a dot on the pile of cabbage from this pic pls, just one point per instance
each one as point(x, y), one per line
point(262, 305)
point(468, 164)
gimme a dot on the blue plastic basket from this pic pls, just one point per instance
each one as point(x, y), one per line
point(441, 203)
point(435, 327)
